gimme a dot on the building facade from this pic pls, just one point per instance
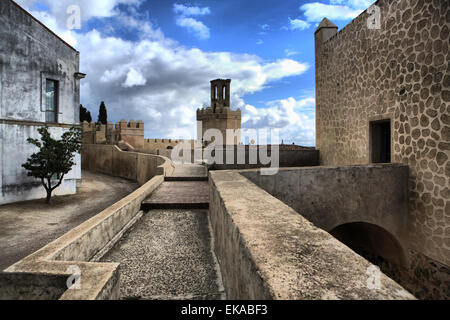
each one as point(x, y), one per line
point(220, 116)
point(383, 95)
point(39, 85)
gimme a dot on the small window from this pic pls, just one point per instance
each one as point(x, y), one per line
point(51, 101)
point(224, 93)
point(216, 92)
point(380, 134)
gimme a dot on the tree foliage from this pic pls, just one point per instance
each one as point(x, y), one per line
point(54, 159)
point(85, 114)
point(102, 114)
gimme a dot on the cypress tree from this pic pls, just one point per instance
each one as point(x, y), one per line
point(85, 114)
point(102, 114)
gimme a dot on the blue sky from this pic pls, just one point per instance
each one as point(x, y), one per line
point(152, 60)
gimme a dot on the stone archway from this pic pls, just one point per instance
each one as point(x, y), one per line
point(377, 245)
point(373, 242)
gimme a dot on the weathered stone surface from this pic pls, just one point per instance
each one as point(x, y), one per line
point(30, 54)
point(268, 251)
point(111, 160)
point(418, 89)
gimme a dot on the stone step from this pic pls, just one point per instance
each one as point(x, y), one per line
point(186, 178)
point(179, 195)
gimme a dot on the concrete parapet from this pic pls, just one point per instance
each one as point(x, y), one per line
point(267, 250)
point(44, 274)
point(130, 165)
point(289, 156)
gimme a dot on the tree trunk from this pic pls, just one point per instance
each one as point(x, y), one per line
point(49, 196)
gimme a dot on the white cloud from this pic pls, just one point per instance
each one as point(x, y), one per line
point(290, 53)
point(88, 8)
point(190, 11)
point(287, 116)
point(284, 67)
point(161, 82)
point(176, 80)
point(264, 29)
point(134, 78)
point(194, 26)
point(335, 10)
point(259, 42)
point(198, 28)
point(298, 24)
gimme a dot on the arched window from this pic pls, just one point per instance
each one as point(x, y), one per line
point(217, 93)
point(224, 92)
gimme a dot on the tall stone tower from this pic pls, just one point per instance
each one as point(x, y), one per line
point(219, 115)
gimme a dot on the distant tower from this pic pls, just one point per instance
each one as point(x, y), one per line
point(219, 115)
point(220, 93)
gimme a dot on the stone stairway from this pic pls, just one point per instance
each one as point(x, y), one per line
point(178, 195)
point(187, 188)
point(188, 172)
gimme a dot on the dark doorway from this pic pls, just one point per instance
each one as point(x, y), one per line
point(380, 135)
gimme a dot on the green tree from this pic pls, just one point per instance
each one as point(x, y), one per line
point(102, 114)
point(54, 159)
point(85, 114)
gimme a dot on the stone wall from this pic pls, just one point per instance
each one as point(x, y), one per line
point(130, 132)
point(267, 250)
point(289, 156)
point(29, 55)
point(43, 275)
point(153, 145)
point(135, 166)
point(400, 72)
point(333, 196)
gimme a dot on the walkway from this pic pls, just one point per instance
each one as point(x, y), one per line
point(25, 227)
point(189, 172)
point(168, 254)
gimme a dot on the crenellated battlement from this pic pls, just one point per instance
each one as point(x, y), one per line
point(219, 115)
point(131, 132)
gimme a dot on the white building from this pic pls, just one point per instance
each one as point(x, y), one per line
point(39, 85)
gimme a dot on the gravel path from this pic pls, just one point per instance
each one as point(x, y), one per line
point(168, 255)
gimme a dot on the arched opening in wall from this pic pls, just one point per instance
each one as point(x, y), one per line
point(216, 92)
point(224, 93)
point(169, 148)
point(375, 244)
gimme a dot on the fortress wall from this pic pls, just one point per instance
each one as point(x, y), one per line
point(399, 73)
point(288, 157)
point(331, 196)
point(372, 199)
point(152, 145)
point(131, 132)
point(135, 166)
point(267, 250)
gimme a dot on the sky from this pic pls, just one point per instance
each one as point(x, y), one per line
point(153, 60)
